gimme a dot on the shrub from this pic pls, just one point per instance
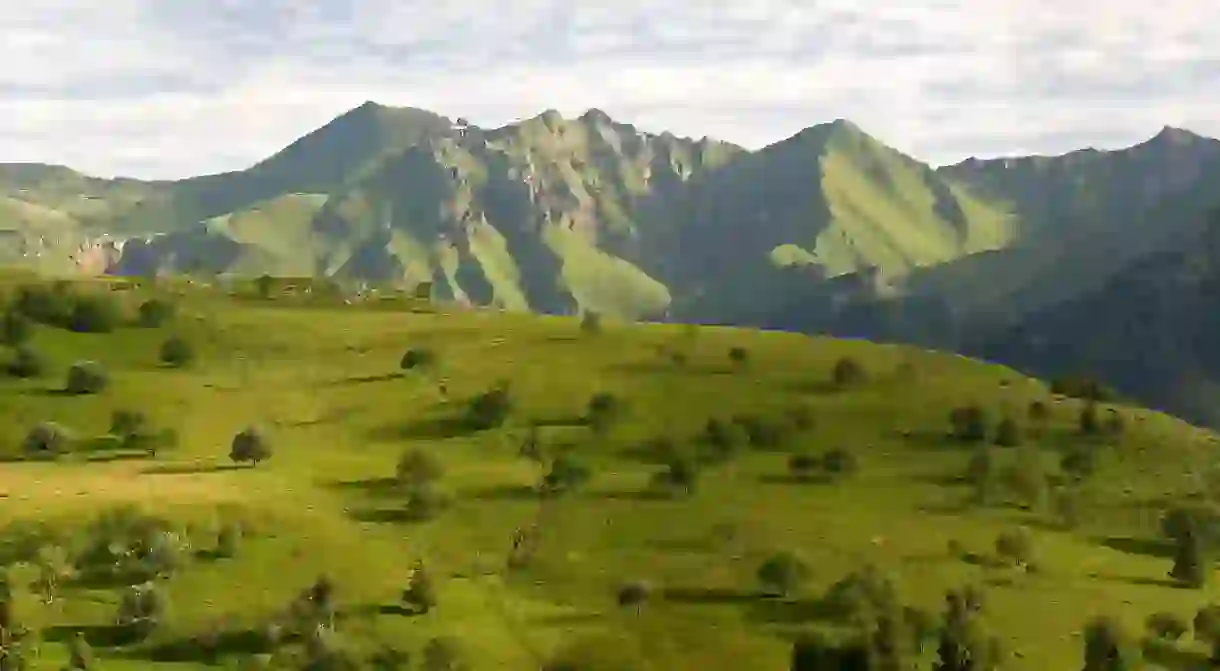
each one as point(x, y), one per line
point(679, 475)
point(94, 313)
point(15, 328)
point(720, 440)
point(141, 610)
point(1008, 433)
point(591, 322)
point(420, 594)
point(155, 312)
point(764, 432)
point(566, 474)
point(1038, 412)
point(847, 371)
point(228, 540)
point(803, 465)
point(87, 377)
point(127, 424)
point(740, 356)
point(1167, 626)
point(417, 358)
point(490, 409)
point(47, 440)
point(783, 573)
point(1015, 545)
point(427, 500)
point(176, 352)
point(1088, 422)
point(44, 304)
point(633, 593)
point(250, 446)
point(602, 411)
point(444, 654)
point(840, 462)
point(801, 417)
point(968, 423)
point(418, 467)
point(26, 363)
point(1084, 388)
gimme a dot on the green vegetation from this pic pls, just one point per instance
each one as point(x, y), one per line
point(301, 497)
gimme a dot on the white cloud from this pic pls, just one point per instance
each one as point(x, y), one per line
point(154, 88)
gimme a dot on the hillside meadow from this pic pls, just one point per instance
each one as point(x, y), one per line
point(574, 494)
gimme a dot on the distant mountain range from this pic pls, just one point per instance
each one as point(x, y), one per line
point(829, 230)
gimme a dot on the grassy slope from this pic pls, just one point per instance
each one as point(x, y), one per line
point(317, 377)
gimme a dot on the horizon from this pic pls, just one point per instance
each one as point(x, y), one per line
point(152, 91)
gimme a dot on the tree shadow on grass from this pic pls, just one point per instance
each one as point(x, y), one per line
point(384, 516)
point(699, 596)
point(438, 428)
point(770, 610)
point(1148, 547)
point(790, 479)
point(241, 642)
point(635, 495)
point(371, 487)
point(362, 379)
point(97, 636)
point(190, 468)
point(1142, 581)
point(504, 492)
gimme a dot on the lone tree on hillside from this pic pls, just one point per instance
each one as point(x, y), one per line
point(1107, 647)
point(86, 377)
point(176, 352)
point(420, 594)
point(847, 371)
point(783, 573)
point(250, 446)
point(417, 467)
point(263, 285)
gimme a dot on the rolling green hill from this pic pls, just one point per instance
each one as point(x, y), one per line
point(686, 497)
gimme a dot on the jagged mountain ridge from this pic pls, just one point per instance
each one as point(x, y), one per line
point(558, 214)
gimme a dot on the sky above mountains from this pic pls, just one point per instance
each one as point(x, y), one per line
point(153, 88)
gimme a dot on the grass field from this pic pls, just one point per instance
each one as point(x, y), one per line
point(324, 384)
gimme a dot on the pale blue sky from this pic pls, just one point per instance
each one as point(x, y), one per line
point(167, 88)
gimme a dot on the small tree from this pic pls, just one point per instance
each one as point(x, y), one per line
point(420, 594)
point(1207, 628)
point(1089, 423)
point(1008, 433)
point(128, 426)
point(47, 440)
point(155, 312)
point(141, 610)
point(86, 377)
point(176, 352)
point(15, 328)
point(847, 372)
point(418, 467)
point(443, 654)
point(969, 423)
point(591, 322)
point(740, 356)
point(566, 474)
point(840, 462)
point(783, 573)
point(1191, 565)
point(490, 409)
point(1166, 626)
point(26, 362)
point(803, 466)
point(679, 476)
point(80, 655)
point(417, 358)
point(228, 540)
point(634, 593)
point(1015, 545)
point(264, 285)
point(94, 314)
point(250, 446)
point(602, 411)
point(1107, 647)
point(426, 501)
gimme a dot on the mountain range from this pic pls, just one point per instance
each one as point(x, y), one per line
point(829, 230)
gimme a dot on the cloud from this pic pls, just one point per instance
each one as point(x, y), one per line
point(164, 89)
